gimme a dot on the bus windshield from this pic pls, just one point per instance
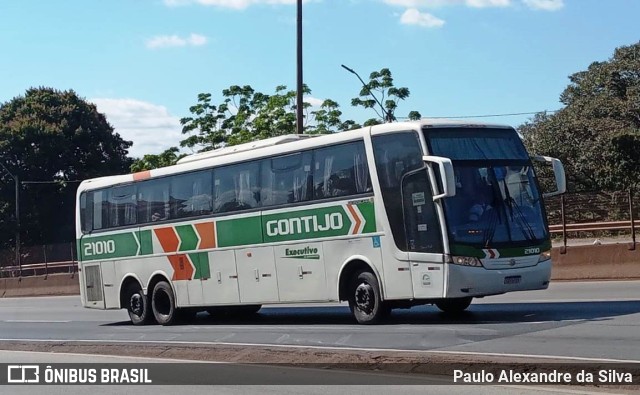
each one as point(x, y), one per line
point(497, 197)
point(495, 205)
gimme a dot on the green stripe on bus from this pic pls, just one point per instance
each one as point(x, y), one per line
point(146, 242)
point(108, 247)
point(239, 231)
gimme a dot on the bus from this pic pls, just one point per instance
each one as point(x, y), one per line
point(387, 216)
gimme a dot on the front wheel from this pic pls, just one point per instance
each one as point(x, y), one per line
point(163, 304)
point(454, 305)
point(365, 300)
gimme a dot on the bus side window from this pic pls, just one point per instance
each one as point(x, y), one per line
point(122, 206)
point(236, 187)
point(153, 200)
point(395, 155)
point(341, 170)
point(191, 195)
point(286, 179)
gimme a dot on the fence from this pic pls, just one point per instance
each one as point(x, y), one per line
point(39, 260)
point(573, 215)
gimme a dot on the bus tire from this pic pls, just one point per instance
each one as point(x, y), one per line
point(365, 300)
point(454, 305)
point(163, 304)
point(138, 305)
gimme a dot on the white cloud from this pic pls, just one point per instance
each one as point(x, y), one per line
point(314, 101)
point(441, 3)
point(414, 17)
point(487, 3)
point(232, 4)
point(193, 40)
point(150, 126)
point(545, 5)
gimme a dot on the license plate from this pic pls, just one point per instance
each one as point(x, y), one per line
point(512, 280)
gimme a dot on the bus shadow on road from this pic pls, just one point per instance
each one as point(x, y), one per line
point(485, 313)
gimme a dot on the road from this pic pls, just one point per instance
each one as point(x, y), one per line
point(594, 320)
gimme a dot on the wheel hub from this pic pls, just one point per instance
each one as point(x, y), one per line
point(136, 304)
point(365, 300)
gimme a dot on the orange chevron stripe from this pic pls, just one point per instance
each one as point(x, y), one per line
point(207, 233)
point(182, 268)
point(168, 239)
point(356, 218)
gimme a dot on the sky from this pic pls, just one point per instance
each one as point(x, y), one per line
point(144, 62)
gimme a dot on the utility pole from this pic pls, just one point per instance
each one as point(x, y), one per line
point(299, 104)
point(17, 182)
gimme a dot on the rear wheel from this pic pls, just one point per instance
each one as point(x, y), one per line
point(163, 304)
point(137, 305)
point(365, 300)
point(455, 305)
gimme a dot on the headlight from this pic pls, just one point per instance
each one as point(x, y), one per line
point(465, 261)
point(545, 256)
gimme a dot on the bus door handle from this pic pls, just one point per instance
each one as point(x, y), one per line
point(257, 274)
point(300, 272)
point(219, 277)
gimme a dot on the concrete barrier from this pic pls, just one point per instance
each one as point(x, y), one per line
point(596, 262)
point(578, 263)
point(51, 285)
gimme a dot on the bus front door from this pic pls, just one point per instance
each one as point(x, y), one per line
point(423, 236)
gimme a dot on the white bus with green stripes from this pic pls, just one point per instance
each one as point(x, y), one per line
point(387, 216)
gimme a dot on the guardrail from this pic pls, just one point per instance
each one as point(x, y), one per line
point(34, 269)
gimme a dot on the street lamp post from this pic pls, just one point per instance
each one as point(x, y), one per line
point(299, 103)
point(17, 182)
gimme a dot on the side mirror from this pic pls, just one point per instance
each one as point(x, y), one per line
point(558, 172)
point(447, 176)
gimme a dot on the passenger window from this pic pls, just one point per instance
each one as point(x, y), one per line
point(122, 206)
point(190, 195)
point(341, 170)
point(236, 187)
point(286, 179)
point(153, 200)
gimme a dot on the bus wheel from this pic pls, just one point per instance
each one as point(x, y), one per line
point(138, 305)
point(163, 304)
point(364, 301)
point(454, 305)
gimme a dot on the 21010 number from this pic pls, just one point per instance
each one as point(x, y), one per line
point(99, 247)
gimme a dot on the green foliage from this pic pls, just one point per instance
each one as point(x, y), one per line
point(246, 115)
point(57, 137)
point(381, 83)
point(148, 162)
point(597, 133)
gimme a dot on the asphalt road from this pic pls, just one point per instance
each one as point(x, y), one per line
point(594, 320)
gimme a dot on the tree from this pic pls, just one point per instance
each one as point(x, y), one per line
point(57, 138)
point(597, 133)
point(381, 82)
point(151, 161)
point(246, 115)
